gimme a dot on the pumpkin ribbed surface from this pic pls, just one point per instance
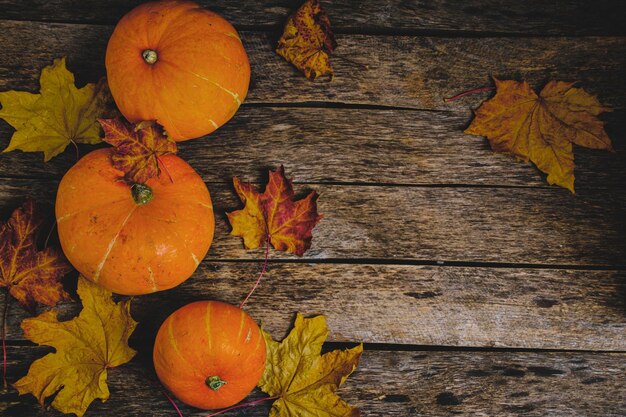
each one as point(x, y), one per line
point(127, 247)
point(179, 64)
point(209, 341)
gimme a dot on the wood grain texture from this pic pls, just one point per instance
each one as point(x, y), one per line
point(524, 226)
point(320, 145)
point(406, 304)
point(397, 384)
point(568, 17)
point(406, 71)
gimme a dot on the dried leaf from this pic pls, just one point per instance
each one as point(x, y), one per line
point(137, 147)
point(304, 380)
point(86, 347)
point(288, 224)
point(60, 114)
point(32, 276)
point(542, 128)
point(307, 40)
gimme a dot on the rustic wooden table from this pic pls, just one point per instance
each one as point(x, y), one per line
point(477, 288)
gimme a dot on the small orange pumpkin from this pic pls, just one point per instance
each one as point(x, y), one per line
point(134, 239)
point(209, 354)
point(179, 64)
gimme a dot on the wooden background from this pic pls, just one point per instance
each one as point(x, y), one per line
point(477, 289)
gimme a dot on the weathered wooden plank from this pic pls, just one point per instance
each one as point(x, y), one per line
point(530, 226)
point(398, 384)
point(407, 71)
point(406, 304)
point(321, 145)
point(570, 17)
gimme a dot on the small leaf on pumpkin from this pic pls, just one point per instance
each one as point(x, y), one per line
point(288, 224)
point(542, 128)
point(137, 147)
point(86, 347)
point(305, 381)
point(60, 114)
point(31, 275)
point(308, 41)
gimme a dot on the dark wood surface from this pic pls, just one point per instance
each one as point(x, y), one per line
point(477, 288)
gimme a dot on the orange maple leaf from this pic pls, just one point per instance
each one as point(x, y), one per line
point(541, 128)
point(307, 40)
point(32, 276)
point(137, 147)
point(274, 215)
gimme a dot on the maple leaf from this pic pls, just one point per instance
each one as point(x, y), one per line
point(541, 128)
point(274, 215)
point(86, 347)
point(137, 147)
point(304, 381)
point(32, 276)
point(59, 115)
point(307, 40)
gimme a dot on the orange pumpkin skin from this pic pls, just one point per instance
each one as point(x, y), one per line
point(200, 76)
point(209, 341)
point(126, 247)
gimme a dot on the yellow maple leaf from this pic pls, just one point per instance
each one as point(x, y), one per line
point(304, 381)
point(60, 114)
point(541, 128)
point(307, 40)
point(86, 347)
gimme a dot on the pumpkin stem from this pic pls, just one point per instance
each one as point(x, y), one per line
point(214, 382)
point(150, 56)
point(141, 193)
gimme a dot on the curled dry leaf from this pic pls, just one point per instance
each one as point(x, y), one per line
point(305, 381)
point(137, 147)
point(275, 215)
point(31, 275)
point(86, 347)
point(308, 40)
point(541, 128)
point(60, 114)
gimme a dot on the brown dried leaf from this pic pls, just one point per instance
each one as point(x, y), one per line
point(32, 276)
point(308, 40)
point(137, 147)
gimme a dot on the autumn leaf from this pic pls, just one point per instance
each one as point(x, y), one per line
point(137, 147)
point(304, 381)
point(307, 40)
point(31, 275)
point(274, 215)
point(541, 128)
point(86, 347)
point(60, 114)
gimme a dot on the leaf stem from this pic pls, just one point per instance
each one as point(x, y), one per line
point(75, 147)
point(172, 401)
point(159, 161)
point(258, 281)
point(4, 334)
point(467, 93)
point(251, 403)
point(45, 244)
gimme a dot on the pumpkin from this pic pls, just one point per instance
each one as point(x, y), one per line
point(179, 64)
point(209, 354)
point(133, 238)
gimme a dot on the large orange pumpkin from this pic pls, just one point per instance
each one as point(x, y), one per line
point(134, 239)
point(209, 354)
point(179, 64)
